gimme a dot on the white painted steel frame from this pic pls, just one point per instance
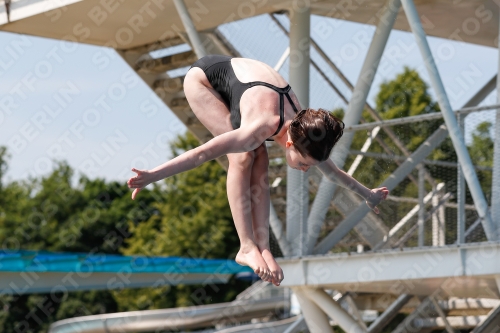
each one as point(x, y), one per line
point(279, 233)
point(389, 313)
point(372, 228)
point(298, 326)
point(441, 313)
point(194, 38)
point(327, 188)
point(403, 158)
point(297, 181)
point(372, 112)
point(282, 59)
point(495, 184)
point(438, 219)
point(297, 192)
point(489, 323)
point(415, 119)
point(421, 205)
point(23, 9)
point(364, 149)
point(450, 119)
point(365, 79)
point(317, 321)
point(419, 264)
point(329, 306)
point(461, 193)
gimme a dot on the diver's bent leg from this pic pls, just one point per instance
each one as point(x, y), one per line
point(259, 188)
point(238, 193)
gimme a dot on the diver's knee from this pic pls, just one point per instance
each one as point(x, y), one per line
point(243, 160)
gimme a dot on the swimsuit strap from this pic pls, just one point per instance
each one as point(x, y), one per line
point(290, 100)
point(281, 91)
point(277, 89)
point(282, 114)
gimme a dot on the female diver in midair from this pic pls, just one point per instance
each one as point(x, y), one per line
point(243, 103)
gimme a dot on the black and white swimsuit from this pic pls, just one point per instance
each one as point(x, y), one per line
point(221, 76)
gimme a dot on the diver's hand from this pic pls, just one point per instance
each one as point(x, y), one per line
point(141, 180)
point(375, 197)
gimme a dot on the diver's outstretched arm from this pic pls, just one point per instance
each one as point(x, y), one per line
point(236, 141)
point(334, 174)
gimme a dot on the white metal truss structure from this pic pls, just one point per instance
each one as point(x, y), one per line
point(439, 285)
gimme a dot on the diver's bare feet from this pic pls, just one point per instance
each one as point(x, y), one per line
point(250, 256)
point(276, 271)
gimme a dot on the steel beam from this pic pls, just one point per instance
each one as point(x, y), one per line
point(495, 184)
point(381, 302)
point(418, 270)
point(408, 325)
point(394, 179)
point(397, 158)
point(364, 149)
point(421, 205)
point(378, 325)
point(389, 132)
point(327, 188)
point(279, 233)
point(353, 309)
point(458, 322)
point(471, 229)
point(297, 181)
point(371, 229)
point(450, 120)
point(489, 324)
point(317, 320)
point(460, 194)
point(326, 303)
point(419, 118)
point(365, 79)
point(194, 38)
point(282, 59)
point(441, 313)
point(298, 326)
point(438, 220)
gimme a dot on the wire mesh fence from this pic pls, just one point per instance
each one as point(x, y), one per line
point(401, 213)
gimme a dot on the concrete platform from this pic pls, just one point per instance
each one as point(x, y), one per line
point(128, 24)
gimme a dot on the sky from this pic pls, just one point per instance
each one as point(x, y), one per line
point(85, 105)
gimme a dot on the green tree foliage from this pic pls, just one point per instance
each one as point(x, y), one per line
point(481, 153)
point(4, 156)
point(58, 212)
point(407, 96)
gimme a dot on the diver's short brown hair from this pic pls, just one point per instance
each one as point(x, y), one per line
point(315, 132)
